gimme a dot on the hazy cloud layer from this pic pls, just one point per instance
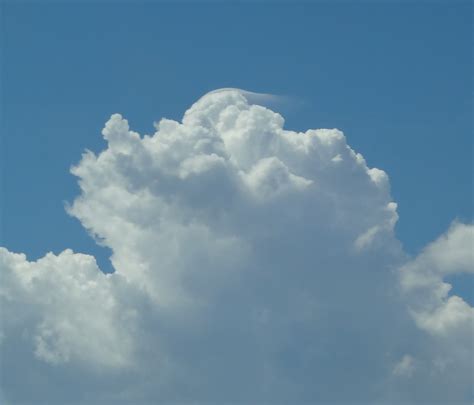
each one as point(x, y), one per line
point(252, 264)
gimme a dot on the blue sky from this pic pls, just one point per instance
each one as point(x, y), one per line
point(395, 77)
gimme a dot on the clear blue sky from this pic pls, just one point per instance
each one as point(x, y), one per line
point(396, 77)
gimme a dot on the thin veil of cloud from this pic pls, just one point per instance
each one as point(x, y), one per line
point(276, 102)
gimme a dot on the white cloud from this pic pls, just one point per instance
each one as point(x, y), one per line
point(405, 367)
point(423, 280)
point(64, 310)
point(252, 264)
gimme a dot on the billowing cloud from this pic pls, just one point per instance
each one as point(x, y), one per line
point(69, 306)
point(424, 279)
point(447, 319)
point(252, 264)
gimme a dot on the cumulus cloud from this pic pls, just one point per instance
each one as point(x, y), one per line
point(252, 263)
point(424, 281)
point(446, 318)
point(70, 309)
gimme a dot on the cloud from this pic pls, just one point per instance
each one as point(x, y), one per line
point(252, 264)
point(69, 307)
point(405, 367)
point(271, 101)
point(447, 318)
point(423, 279)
